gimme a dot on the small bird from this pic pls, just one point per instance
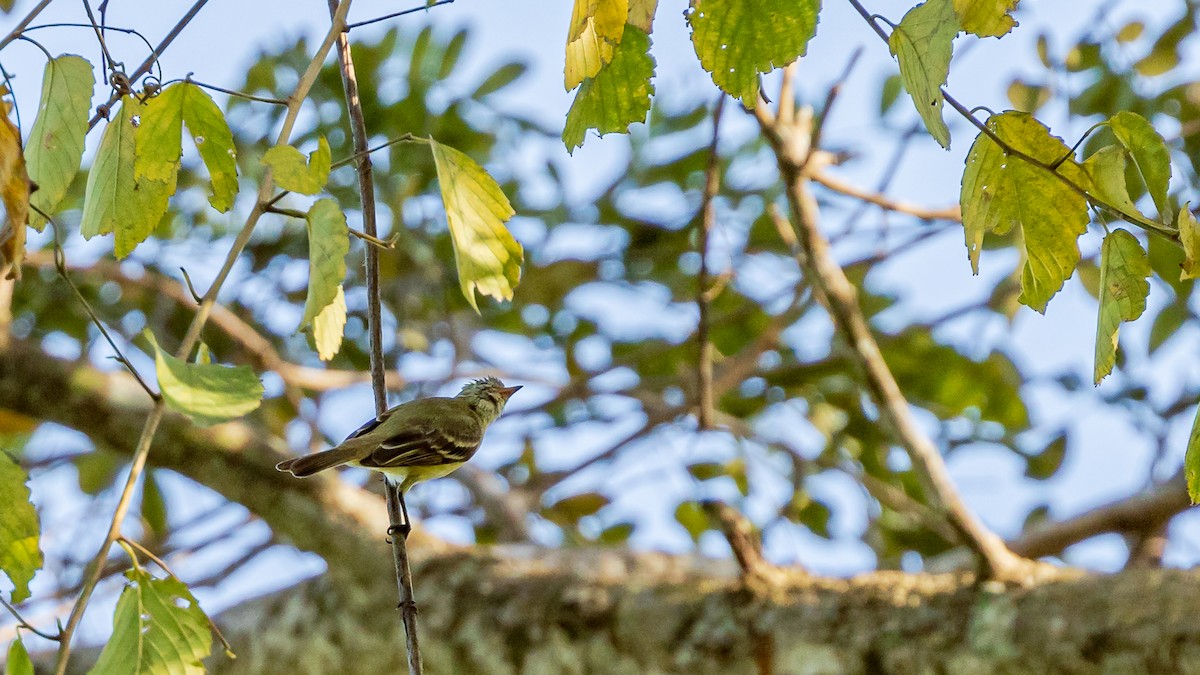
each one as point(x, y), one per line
point(416, 441)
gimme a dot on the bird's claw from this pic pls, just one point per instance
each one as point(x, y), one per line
point(402, 529)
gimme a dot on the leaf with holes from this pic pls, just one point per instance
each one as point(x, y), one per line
point(1000, 192)
point(20, 557)
point(206, 392)
point(56, 141)
point(721, 31)
point(923, 44)
point(117, 200)
point(293, 173)
point(158, 627)
point(1124, 269)
point(159, 140)
point(488, 258)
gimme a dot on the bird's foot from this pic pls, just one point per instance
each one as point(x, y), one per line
point(403, 529)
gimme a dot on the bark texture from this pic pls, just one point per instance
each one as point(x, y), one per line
point(521, 609)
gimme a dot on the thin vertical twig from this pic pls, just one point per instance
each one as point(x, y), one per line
point(142, 449)
point(395, 498)
point(708, 215)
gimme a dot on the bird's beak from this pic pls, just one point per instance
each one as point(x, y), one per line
point(507, 392)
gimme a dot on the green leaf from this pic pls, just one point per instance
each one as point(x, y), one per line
point(97, 470)
point(1106, 169)
point(615, 534)
point(1046, 463)
point(117, 200)
point(499, 79)
point(328, 244)
point(158, 628)
point(154, 507)
point(1189, 238)
point(737, 41)
point(488, 257)
point(158, 141)
point(575, 507)
point(20, 557)
point(18, 662)
point(55, 145)
point(1149, 152)
point(596, 29)
point(1000, 192)
point(293, 173)
point(207, 393)
point(1191, 461)
point(706, 470)
point(693, 519)
point(923, 44)
point(986, 18)
point(214, 142)
point(1124, 269)
point(617, 96)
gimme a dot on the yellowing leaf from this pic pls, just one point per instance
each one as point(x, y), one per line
point(618, 96)
point(20, 557)
point(1189, 238)
point(14, 190)
point(488, 257)
point(56, 140)
point(207, 393)
point(329, 326)
point(1000, 192)
point(1124, 268)
point(292, 173)
point(923, 44)
point(158, 627)
point(159, 144)
point(737, 41)
point(117, 199)
point(986, 18)
point(328, 244)
point(596, 29)
point(1106, 169)
point(1149, 152)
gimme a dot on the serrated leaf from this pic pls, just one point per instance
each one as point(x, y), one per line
point(1191, 461)
point(14, 191)
point(1106, 169)
point(1124, 269)
point(488, 258)
point(986, 18)
point(1001, 192)
point(328, 244)
point(20, 556)
point(117, 200)
point(207, 393)
point(596, 29)
point(56, 141)
point(154, 507)
point(1149, 153)
point(721, 35)
point(18, 662)
point(292, 172)
point(923, 44)
point(618, 96)
point(1189, 239)
point(158, 627)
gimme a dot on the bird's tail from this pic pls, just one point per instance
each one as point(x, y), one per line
point(307, 465)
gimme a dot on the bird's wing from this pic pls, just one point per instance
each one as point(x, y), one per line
point(371, 424)
point(447, 436)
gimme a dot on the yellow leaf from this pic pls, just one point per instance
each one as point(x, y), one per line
point(15, 187)
point(596, 28)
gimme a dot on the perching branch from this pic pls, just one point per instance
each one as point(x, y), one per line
point(395, 498)
point(708, 215)
point(840, 299)
point(92, 576)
